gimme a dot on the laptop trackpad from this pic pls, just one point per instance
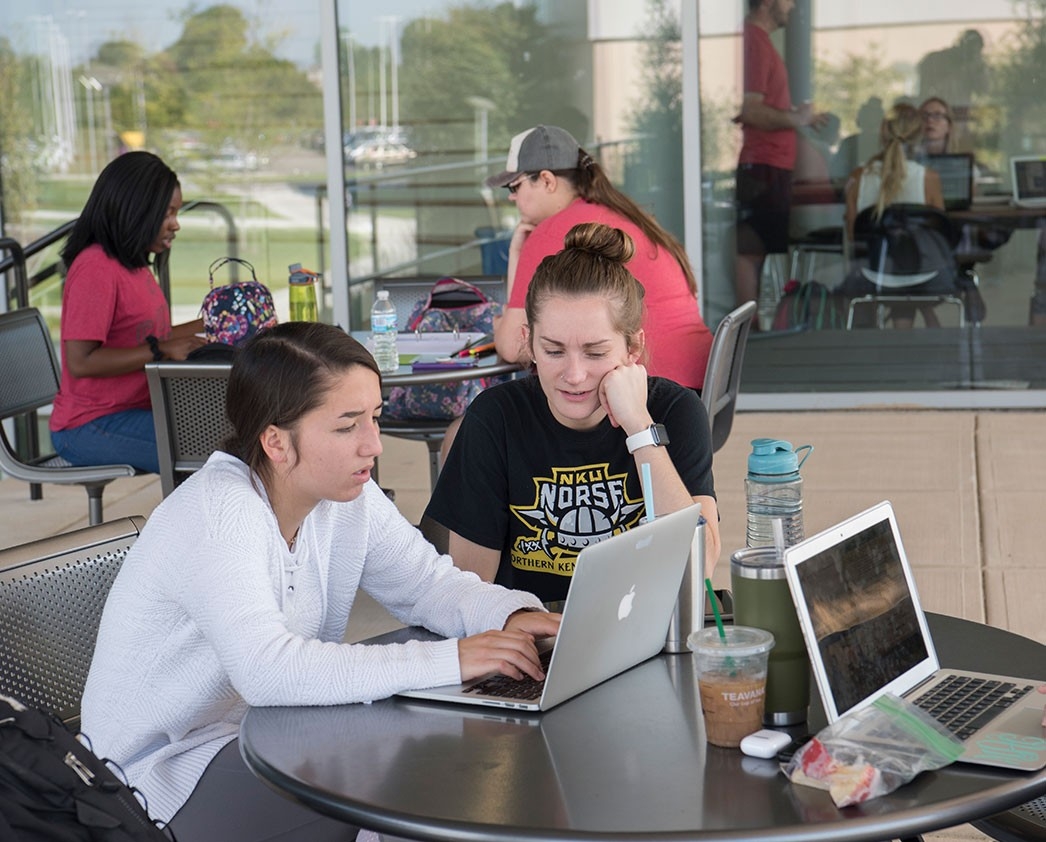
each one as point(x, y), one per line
point(1010, 741)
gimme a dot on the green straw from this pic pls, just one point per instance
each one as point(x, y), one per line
point(715, 610)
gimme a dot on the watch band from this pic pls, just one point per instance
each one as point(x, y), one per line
point(154, 346)
point(655, 435)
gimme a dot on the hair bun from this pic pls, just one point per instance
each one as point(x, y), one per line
point(601, 240)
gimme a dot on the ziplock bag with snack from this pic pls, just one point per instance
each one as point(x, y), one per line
point(872, 751)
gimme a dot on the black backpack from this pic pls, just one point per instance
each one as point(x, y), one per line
point(54, 789)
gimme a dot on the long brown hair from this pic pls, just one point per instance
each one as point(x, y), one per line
point(591, 183)
point(278, 376)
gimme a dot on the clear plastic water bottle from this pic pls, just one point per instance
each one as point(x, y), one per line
point(302, 294)
point(774, 489)
point(383, 327)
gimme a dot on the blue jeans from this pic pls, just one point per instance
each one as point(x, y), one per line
point(123, 438)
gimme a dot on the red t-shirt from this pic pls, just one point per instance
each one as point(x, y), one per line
point(677, 340)
point(105, 302)
point(766, 74)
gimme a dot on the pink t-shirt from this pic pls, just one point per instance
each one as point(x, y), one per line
point(105, 302)
point(766, 74)
point(677, 340)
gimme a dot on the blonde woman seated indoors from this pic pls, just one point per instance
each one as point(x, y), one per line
point(893, 176)
point(545, 465)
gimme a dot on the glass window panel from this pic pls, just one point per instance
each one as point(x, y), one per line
point(856, 61)
point(433, 93)
point(228, 94)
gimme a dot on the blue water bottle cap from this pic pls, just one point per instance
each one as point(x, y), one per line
point(776, 458)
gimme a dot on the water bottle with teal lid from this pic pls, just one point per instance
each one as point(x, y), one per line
point(774, 489)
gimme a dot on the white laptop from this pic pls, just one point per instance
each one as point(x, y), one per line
point(867, 635)
point(1028, 176)
point(618, 607)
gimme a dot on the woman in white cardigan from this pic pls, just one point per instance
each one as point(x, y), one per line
point(239, 589)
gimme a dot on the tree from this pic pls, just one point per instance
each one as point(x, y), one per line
point(501, 53)
point(232, 85)
point(17, 170)
point(655, 179)
point(1014, 81)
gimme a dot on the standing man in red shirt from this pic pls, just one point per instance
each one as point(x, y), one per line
point(768, 121)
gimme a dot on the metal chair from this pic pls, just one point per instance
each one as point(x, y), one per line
point(1025, 823)
point(189, 414)
point(52, 592)
point(909, 241)
point(30, 381)
point(723, 373)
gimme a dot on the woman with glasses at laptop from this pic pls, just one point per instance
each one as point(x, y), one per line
point(555, 185)
point(546, 465)
point(939, 138)
point(239, 590)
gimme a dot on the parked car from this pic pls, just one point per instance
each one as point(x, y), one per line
point(379, 152)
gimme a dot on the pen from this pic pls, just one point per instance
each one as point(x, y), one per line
point(480, 350)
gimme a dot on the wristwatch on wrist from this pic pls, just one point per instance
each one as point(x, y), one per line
point(154, 346)
point(655, 435)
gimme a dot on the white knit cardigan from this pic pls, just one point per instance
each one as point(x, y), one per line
point(211, 613)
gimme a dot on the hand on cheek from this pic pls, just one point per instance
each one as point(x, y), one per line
point(623, 394)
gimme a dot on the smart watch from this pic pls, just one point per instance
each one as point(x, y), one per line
point(655, 435)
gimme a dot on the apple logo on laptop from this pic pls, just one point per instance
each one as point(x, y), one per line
point(624, 608)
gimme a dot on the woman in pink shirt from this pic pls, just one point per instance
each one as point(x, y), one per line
point(556, 185)
point(115, 317)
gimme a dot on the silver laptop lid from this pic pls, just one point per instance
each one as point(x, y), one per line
point(865, 629)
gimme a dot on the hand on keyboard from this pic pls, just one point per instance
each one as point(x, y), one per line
point(510, 653)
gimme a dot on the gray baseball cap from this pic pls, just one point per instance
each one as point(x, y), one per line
point(536, 149)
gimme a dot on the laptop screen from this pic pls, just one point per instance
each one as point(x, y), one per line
point(956, 172)
point(1029, 179)
point(862, 613)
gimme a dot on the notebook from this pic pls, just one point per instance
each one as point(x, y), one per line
point(621, 598)
point(867, 635)
point(1028, 174)
point(956, 172)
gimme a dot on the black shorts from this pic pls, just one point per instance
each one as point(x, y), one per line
point(764, 199)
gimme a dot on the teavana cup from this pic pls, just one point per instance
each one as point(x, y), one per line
point(731, 676)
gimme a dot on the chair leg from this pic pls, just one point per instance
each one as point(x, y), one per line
point(433, 445)
point(94, 504)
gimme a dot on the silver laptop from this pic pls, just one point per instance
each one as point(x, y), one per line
point(616, 615)
point(867, 635)
point(1028, 174)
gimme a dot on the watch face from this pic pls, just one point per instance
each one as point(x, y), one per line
point(660, 434)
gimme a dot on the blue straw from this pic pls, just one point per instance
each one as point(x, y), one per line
point(648, 490)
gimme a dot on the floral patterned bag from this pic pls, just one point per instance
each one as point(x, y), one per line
point(233, 313)
point(452, 304)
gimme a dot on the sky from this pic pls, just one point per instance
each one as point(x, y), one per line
point(88, 23)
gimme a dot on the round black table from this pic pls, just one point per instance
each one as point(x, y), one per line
point(626, 760)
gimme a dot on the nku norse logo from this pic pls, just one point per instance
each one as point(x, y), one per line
point(574, 508)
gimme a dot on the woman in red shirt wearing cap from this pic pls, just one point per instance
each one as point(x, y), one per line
point(556, 185)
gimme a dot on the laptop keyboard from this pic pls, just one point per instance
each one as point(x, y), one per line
point(964, 705)
point(525, 688)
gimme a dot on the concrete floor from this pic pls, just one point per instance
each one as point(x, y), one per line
point(968, 488)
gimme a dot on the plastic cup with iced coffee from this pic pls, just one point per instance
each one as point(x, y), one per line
point(731, 677)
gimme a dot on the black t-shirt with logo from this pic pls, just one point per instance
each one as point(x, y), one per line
point(519, 481)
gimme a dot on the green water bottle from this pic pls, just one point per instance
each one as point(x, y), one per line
point(302, 294)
